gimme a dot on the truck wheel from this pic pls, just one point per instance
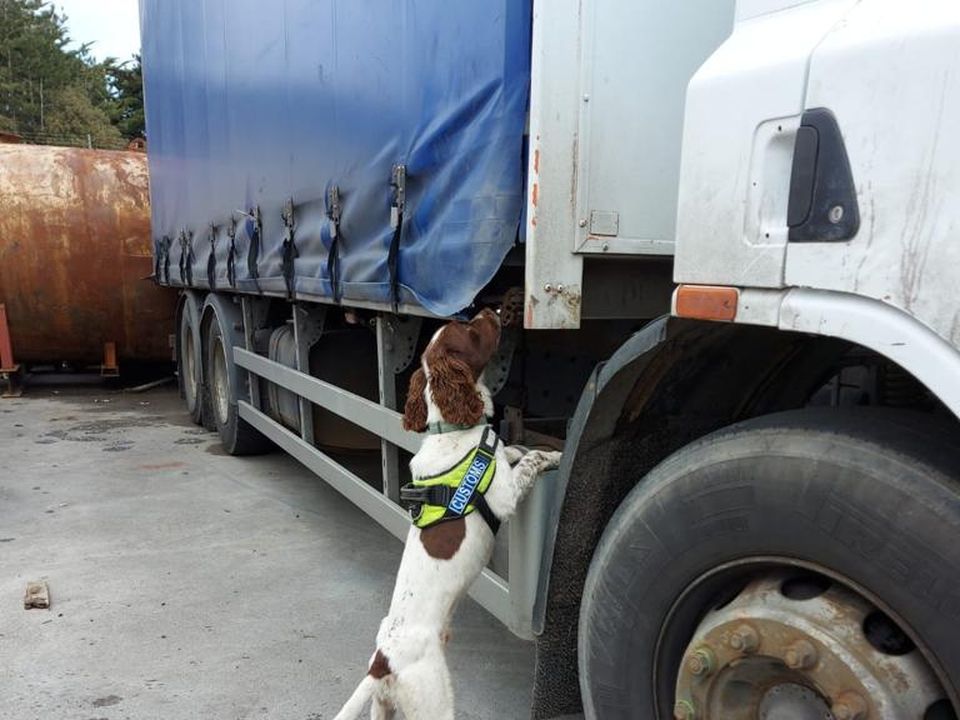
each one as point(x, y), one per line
point(190, 362)
point(801, 565)
point(227, 383)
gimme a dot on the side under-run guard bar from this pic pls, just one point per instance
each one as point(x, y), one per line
point(511, 603)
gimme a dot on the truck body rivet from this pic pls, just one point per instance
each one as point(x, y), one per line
point(744, 639)
point(582, 222)
point(559, 288)
point(586, 98)
point(800, 655)
point(684, 710)
point(548, 288)
point(702, 662)
point(606, 246)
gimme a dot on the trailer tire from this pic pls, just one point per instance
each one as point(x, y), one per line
point(190, 357)
point(227, 384)
point(871, 497)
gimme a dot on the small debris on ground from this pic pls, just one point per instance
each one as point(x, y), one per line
point(37, 595)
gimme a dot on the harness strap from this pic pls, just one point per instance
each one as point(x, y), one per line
point(480, 503)
point(441, 495)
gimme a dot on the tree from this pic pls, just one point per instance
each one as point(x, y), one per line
point(126, 83)
point(72, 116)
point(47, 89)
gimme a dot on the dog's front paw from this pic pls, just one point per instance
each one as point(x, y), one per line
point(552, 459)
point(544, 460)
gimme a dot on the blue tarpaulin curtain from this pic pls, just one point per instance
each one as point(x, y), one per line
point(250, 104)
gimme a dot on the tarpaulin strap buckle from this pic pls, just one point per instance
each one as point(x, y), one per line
point(165, 244)
point(232, 254)
point(398, 182)
point(186, 257)
point(334, 210)
point(158, 259)
point(290, 253)
point(212, 258)
point(253, 251)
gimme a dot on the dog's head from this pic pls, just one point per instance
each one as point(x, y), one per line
point(448, 380)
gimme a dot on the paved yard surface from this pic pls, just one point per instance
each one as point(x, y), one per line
point(189, 584)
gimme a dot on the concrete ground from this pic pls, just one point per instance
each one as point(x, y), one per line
point(189, 584)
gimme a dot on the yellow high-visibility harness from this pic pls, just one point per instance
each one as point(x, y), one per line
point(457, 492)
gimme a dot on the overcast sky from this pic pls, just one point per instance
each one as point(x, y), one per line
point(113, 26)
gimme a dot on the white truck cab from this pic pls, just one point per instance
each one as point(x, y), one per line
point(872, 255)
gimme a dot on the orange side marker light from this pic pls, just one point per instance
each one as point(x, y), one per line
point(706, 302)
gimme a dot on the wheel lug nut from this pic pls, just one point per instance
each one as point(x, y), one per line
point(702, 661)
point(849, 706)
point(744, 639)
point(684, 710)
point(801, 655)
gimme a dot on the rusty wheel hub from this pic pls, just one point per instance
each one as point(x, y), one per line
point(802, 648)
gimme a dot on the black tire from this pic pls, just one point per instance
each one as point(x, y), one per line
point(869, 496)
point(190, 357)
point(226, 382)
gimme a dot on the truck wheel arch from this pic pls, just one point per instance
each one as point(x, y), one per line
point(672, 382)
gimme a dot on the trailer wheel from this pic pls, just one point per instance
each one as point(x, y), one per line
point(801, 565)
point(227, 383)
point(190, 364)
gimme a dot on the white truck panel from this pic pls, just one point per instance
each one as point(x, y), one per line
point(743, 109)
point(606, 109)
point(637, 57)
point(551, 171)
point(890, 72)
point(880, 327)
point(747, 9)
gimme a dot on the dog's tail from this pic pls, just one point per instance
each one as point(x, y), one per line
point(354, 706)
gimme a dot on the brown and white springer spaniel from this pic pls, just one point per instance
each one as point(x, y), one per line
point(408, 671)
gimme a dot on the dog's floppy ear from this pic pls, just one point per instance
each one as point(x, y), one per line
point(415, 411)
point(453, 390)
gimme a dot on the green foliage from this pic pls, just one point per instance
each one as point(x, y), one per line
point(126, 83)
point(73, 115)
point(51, 94)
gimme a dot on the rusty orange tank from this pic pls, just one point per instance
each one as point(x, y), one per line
point(75, 256)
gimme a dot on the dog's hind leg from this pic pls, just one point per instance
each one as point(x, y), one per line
point(354, 706)
point(382, 710)
point(423, 689)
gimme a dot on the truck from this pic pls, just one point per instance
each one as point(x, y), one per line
point(722, 237)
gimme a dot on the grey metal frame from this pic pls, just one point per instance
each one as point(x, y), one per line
point(308, 322)
point(511, 603)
